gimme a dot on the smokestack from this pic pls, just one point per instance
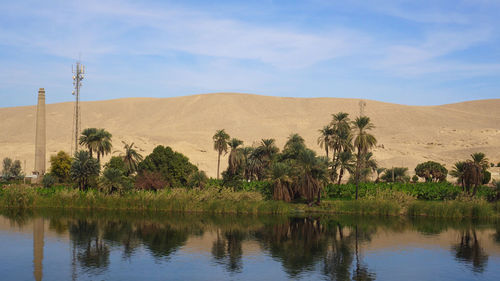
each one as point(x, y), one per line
point(40, 134)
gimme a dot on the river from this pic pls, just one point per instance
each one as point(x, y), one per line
point(78, 245)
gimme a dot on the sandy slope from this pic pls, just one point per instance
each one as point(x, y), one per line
point(407, 134)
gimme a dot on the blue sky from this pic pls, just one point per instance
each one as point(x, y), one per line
point(408, 52)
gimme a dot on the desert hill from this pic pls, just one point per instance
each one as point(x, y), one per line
point(407, 135)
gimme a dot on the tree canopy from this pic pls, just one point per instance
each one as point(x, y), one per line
point(173, 167)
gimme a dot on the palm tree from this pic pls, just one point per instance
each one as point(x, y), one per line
point(102, 143)
point(325, 138)
point(312, 175)
point(341, 131)
point(480, 159)
point(346, 162)
point(83, 168)
point(458, 172)
point(131, 158)
point(379, 171)
point(282, 181)
point(370, 166)
point(220, 145)
point(472, 176)
point(235, 156)
point(363, 142)
point(246, 153)
point(87, 139)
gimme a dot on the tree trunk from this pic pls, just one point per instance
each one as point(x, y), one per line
point(218, 164)
point(341, 174)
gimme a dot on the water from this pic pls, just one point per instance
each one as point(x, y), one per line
point(53, 245)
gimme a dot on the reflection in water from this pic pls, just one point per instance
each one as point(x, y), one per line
point(227, 249)
point(329, 246)
point(470, 251)
point(38, 232)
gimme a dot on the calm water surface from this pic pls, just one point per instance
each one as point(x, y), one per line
point(51, 245)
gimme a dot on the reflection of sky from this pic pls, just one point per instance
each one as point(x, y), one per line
point(426, 264)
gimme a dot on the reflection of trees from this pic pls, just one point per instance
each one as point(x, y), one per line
point(301, 243)
point(298, 243)
point(470, 251)
point(227, 249)
point(91, 251)
point(161, 240)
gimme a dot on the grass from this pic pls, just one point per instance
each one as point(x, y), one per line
point(220, 200)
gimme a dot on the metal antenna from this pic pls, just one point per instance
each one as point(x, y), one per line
point(78, 74)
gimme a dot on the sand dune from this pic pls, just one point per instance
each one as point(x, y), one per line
point(407, 135)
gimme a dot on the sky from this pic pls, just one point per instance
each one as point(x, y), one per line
point(406, 52)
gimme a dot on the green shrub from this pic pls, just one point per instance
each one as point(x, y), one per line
point(486, 177)
point(173, 167)
point(48, 180)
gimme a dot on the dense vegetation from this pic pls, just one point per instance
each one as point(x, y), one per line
point(259, 173)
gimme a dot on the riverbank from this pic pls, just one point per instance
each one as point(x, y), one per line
point(242, 202)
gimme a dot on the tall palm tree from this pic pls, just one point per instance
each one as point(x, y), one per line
point(235, 156)
point(363, 142)
point(341, 131)
point(325, 138)
point(103, 143)
point(88, 139)
point(131, 157)
point(220, 145)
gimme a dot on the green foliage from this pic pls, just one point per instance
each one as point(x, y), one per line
point(114, 180)
point(399, 174)
point(198, 179)
point(423, 191)
point(486, 177)
point(116, 162)
point(11, 169)
point(84, 169)
point(60, 166)
point(414, 179)
point(173, 167)
point(48, 180)
point(431, 171)
point(498, 164)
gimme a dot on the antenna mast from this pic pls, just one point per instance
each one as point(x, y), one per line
point(78, 73)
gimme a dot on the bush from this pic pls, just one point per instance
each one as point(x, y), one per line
point(414, 179)
point(486, 177)
point(173, 167)
point(431, 171)
point(116, 162)
point(150, 181)
point(114, 180)
point(11, 169)
point(48, 180)
point(198, 179)
point(60, 166)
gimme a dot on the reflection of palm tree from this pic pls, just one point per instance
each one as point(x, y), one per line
point(227, 249)
point(91, 251)
point(470, 251)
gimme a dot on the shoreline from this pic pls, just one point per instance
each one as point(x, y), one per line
point(229, 202)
